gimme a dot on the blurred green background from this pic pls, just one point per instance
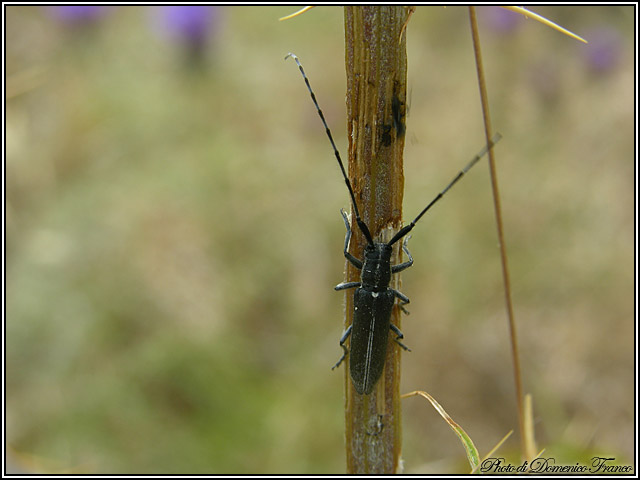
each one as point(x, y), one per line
point(173, 238)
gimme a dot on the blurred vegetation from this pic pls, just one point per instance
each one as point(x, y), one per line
point(173, 237)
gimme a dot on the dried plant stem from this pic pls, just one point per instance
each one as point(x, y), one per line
point(501, 242)
point(376, 64)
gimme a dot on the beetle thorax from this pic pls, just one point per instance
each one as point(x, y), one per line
point(376, 270)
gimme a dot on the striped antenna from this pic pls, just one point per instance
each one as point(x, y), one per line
point(363, 227)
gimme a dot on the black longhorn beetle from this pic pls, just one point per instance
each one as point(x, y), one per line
point(373, 299)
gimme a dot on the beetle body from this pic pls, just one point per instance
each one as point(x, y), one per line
point(369, 337)
point(373, 298)
point(373, 302)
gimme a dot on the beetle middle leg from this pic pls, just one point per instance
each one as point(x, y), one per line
point(403, 300)
point(344, 286)
point(400, 267)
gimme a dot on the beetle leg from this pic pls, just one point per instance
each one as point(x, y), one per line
point(403, 266)
point(345, 285)
point(346, 352)
point(399, 337)
point(353, 260)
point(403, 300)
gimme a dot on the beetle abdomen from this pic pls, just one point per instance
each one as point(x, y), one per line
point(369, 337)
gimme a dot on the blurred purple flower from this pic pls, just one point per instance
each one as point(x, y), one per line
point(190, 27)
point(501, 21)
point(604, 49)
point(78, 14)
point(191, 24)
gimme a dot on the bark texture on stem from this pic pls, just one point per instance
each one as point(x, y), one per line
point(376, 64)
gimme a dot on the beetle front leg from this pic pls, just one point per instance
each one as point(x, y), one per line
point(353, 260)
point(403, 266)
point(346, 351)
point(346, 285)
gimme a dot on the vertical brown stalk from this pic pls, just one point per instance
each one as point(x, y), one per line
point(376, 63)
point(528, 448)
